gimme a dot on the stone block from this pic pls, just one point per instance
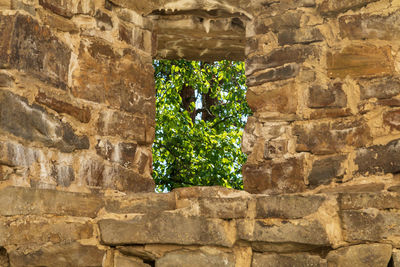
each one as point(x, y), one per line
point(38, 230)
point(381, 88)
point(162, 229)
point(392, 119)
point(396, 258)
point(300, 36)
point(4, 261)
point(367, 26)
point(69, 8)
point(34, 124)
point(359, 61)
point(6, 80)
point(379, 159)
point(201, 258)
point(122, 153)
point(274, 177)
point(279, 57)
point(122, 79)
point(224, 208)
point(13, 154)
point(283, 260)
point(326, 170)
point(122, 261)
point(83, 114)
point(271, 75)
point(333, 7)
point(5, 4)
point(288, 20)
point(103, 20)
point(280, 232)
point(331, 97)
point(356, 201)
point(287, 206)
point(361, 255)
point(26, 201)
point(28, 46)
point(331, 137)
point(57, 22)
point(275, 149)
point(70, 254)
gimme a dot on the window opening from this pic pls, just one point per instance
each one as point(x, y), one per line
point(201, 113)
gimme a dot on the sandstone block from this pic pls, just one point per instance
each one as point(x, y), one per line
point(300, 36)
point(274, 177)
point(224, 208)
point(34, 124)
point(309, 232)
point(69, 8)
point(396, 258)
point(57, 22)
point(122, 153)
point(288, 20)
point(6, 80)
point(359, 61)
point(379, 159)
point(122, 261)
point(326, 170)
point(272, 75)
point(162, 229)
point(331, 137)
point(5, 4)
point(27, 201)
point(331, 97)
point(282, 260)
point(355, 201)
point(197, 258)
point(103, 20)
point(70, 254)
point(332, 7)
point(369, 26)
point(381, 88)
point(275, 149)
point(28, 46)
point(287, 206)
point(392, 118)
point(360, 255)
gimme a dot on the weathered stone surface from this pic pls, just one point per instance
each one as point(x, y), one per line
point(197, 192)
point(278, 74)
point(122, 261)
point(326, 170)
point(396, 258)
point(4, 261)
point(382, 201)
point(379, 159)
point(141, 203)
point(275, 177)
point(123, 153)
point(310, 232)
point(282, 99)
point(359, 61)
point(331, 137)
point(201, 258)
point(275, 149)
point(63, 174)
point(83, 114)
point(28, 46)
point(6, 4)
point(288, 20)
point(39, 230)
point(392, 118)
point(357, 225)
point(287, 206)
point(380, 88)
point(27, 201)
point(393, 102)
point(57, 22)
point(361, 255)
point(328, 7)
point(122, 79)
point(6, 80)
point(103, 20)
point(283, 260)
point(70, 254)
point(162, 229)
point(369, 26)
point(300, 36)
point(34, 124)
point(224, 208)
point(69, 8)
point(331, 97)
point(279, 57)
point(355, 188)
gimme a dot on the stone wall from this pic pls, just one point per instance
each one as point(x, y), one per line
point(77, 121)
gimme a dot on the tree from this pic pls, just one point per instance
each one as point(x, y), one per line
point(201, 112)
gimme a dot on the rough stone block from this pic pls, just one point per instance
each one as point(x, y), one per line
point(381, 88)
point(6, 80)
point(396, 258)
point(122, 153)
point(367, 26)
point(69, 8)
point(4, 261)
point(288, 20)
point(282, 260)
point(28, 46)
point(392, 118)
point(224, 208)
point(26, 201)
point(331, 97)
point(83, 114)
point(309, 232)
point(275, 177)
point(5, 4)
point(162, 229)
point(355, 201)
point(103, 20)
point(361, 255)
point(326, 170)
point(379, 159)
point(332, 7)
point(287, 206)
point(278, 74)
point(122, 261)
point(359, 61)
point(300, 36)
point(331, 137)
point(34, 124)
point(201, 258)
point(57, 22)
point(70, 254)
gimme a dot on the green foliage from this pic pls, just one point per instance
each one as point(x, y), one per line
point(199, 128)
